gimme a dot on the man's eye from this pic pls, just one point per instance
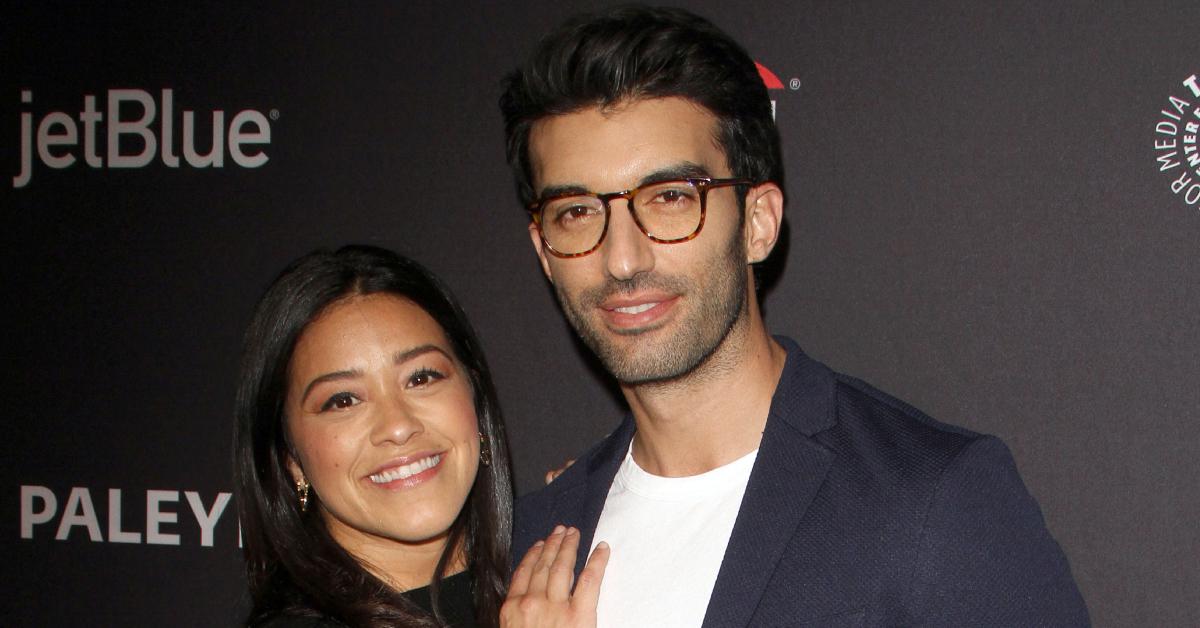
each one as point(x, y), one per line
point(339, 401)
point(424, 377)
point(573, 213)
point(673, 196)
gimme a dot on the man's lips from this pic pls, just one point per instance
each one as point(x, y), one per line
point(408, 470)
point(637, 311)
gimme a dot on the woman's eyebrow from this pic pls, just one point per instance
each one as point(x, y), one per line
point(329, 377)
point(407, 354)
point(400, 357)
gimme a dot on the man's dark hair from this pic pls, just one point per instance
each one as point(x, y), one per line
point(639, 52)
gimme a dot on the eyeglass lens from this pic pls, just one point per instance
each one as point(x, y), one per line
point(666, 211)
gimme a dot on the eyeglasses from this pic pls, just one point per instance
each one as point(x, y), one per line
point(668, 212)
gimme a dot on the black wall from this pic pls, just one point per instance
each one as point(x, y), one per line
point(978, 222)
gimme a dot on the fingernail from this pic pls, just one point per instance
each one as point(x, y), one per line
point(539, 544)
point(558, 529)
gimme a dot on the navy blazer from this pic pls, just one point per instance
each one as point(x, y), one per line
point(860, 511)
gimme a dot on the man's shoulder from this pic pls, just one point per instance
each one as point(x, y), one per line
point(572, 477)
point(532, 508)
point(869, 419)
point(878, 439)
point(541, 500)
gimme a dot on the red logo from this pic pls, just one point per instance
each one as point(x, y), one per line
point(771, 80)
point(768, 77)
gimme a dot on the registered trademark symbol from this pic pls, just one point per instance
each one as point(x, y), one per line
point(794, 84)
point(274, 113)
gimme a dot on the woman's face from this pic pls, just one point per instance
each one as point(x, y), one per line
point(382, 422)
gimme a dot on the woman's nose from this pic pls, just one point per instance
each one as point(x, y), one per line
point(395, 422)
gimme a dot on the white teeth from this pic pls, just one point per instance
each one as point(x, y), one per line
point(406, 471)
point(635, 309)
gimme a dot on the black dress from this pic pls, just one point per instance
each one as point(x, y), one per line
point(457, 605)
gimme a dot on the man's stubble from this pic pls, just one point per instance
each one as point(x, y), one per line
point(639, 356)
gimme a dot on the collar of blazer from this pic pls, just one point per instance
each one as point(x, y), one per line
point(787, 474)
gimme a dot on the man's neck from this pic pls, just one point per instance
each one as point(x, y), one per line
point(713, 415)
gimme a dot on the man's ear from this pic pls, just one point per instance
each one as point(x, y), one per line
point(535, 235)
point(764, 218)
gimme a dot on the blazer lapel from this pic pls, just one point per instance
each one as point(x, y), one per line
point(787, 475)
point(593, 490)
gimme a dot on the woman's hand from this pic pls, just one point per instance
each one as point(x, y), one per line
point(541, 597)
point(553, 474)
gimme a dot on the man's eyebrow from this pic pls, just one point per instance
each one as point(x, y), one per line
point(562, 190)
point(682, 170)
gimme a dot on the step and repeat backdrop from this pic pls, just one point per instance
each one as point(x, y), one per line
point(993, 213)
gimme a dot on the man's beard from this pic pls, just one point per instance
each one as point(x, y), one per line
point(715, 307)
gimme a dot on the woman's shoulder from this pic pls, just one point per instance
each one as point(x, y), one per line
point(300, 621)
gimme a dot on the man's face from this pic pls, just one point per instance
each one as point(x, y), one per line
point(651, 312)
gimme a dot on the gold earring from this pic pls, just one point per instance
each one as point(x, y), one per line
point(485, 454)
point(302, 487)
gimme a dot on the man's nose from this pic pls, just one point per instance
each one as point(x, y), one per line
point(627, 251)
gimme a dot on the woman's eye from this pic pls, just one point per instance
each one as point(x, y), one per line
point(339, 401)
point(424, 377)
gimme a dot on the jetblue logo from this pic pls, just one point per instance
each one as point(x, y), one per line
point(132, 130)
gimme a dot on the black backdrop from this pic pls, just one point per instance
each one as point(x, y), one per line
point(991, 215)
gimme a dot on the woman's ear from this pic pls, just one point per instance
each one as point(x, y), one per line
point(294, 469)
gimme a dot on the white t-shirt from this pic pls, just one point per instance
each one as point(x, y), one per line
point(668, 536)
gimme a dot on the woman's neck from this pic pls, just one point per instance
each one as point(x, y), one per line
point(402, 566)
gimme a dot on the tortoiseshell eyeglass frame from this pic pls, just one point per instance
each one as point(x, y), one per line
point(702, 185)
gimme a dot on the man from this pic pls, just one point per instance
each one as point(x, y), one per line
point(749, 485)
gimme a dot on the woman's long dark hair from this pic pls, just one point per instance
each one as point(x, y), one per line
point(292, 563)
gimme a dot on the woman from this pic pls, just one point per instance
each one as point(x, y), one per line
point(371, 465)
